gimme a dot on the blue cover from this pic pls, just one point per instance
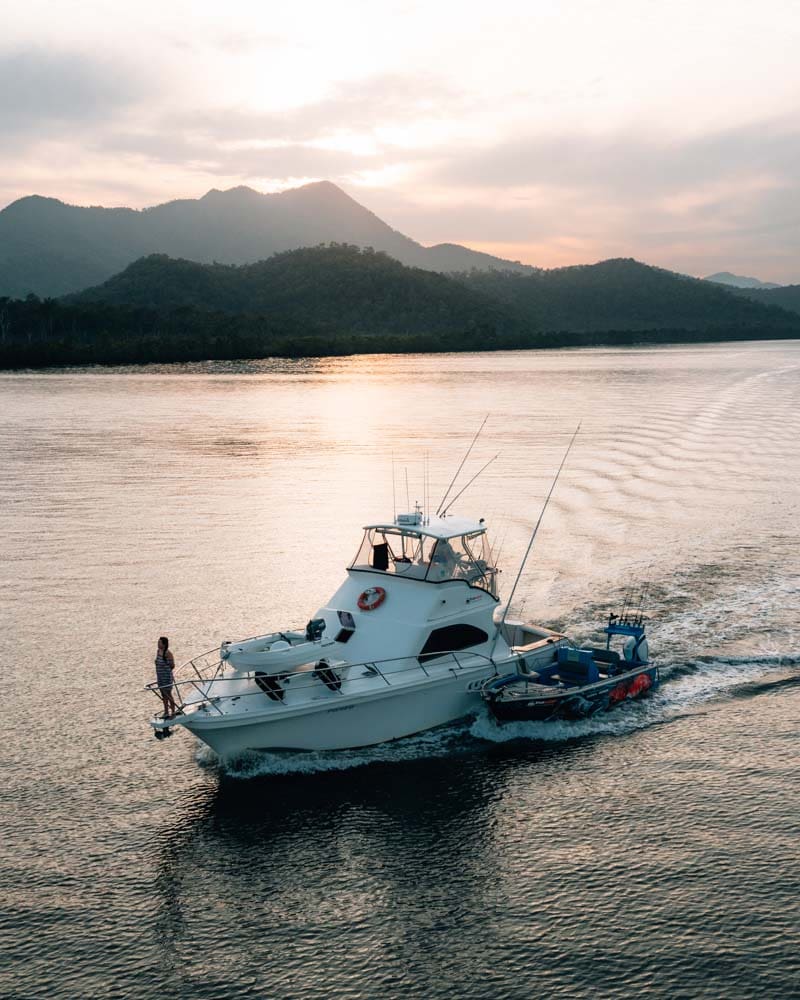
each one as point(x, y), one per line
point(576, 666)
point(568, 654)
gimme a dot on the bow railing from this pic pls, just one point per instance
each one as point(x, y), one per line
point(205, 682)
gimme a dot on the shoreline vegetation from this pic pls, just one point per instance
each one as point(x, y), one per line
point(173, 338)
point(340, 300)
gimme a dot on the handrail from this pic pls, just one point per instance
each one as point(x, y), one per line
point(372, 665)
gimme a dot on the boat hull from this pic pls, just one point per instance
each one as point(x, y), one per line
point(342, 723)
point(571, 703)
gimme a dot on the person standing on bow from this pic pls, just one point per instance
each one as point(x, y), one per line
point(165, 664)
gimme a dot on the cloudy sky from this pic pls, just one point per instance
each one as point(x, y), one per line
point(548, 131)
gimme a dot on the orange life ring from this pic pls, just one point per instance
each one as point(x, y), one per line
point(371, 598)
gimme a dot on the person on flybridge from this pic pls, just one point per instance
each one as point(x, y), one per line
point(444, 560)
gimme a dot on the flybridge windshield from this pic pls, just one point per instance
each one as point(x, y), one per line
point(421, 557)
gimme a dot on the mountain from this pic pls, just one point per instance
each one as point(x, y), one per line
point(622, 294)
point(50, 248)
point(355, 291)
point(782, 296)
point(738, 280)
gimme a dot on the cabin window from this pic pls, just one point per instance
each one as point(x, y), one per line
point(347, 631)
point(404, 552)
point(451, 638)
point(463, 558)
point(392, 550)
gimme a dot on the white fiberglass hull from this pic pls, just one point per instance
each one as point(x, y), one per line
point(347, 722)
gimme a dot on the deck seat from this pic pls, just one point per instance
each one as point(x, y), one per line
point(577, 666)
point(606, 656)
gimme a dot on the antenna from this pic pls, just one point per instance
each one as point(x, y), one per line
point(533, 537)
point(494, 554)
point(496, 558)
point(408, 498)
point(394, 493)
point(468, 485)
point(425, 485)
point(447, 493)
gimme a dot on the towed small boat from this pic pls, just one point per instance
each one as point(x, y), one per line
point(576, 683)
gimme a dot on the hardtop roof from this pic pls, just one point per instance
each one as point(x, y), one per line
point(436, 527)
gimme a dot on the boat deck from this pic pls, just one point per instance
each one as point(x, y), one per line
point(227, 692)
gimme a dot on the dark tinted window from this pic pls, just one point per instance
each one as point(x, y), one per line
point(346, 619)
point(380, 556)
point(451, 637)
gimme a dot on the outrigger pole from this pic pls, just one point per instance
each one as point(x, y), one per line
point(452, 481)
point(530, 543)
point(465, 488)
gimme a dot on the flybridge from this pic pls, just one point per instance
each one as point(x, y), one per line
point(434, 551)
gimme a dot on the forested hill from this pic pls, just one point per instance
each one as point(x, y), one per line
point(337, 287)
point(341, 287)
point(339, 299)
point(623, 294)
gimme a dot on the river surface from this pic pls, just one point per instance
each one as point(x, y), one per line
point(652, 852)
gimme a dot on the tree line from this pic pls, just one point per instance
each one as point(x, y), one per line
point(339, 300)
point(37, 333)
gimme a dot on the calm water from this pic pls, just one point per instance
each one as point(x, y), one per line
point(652, 852)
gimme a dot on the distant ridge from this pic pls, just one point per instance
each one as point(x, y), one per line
point(359, 291)
point(50, 248)
point(782, 296)
point(738, 280)
point(625, 294)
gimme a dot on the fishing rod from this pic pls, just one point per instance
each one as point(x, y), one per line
point(625, 602)
point(452, 481)
point(645, 594)
point(530, 543)
point(468, 484)
point(637, 618)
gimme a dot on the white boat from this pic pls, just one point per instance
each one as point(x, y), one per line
point(404, 645)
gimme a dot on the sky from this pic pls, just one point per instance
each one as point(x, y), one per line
point(548, 132)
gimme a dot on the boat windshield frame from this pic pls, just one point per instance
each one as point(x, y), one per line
point(413, 554)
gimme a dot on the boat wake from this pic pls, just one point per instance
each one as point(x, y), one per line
point(446, 741)
point(686, 686)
